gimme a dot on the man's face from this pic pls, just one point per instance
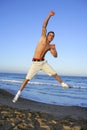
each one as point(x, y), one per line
point(50, 37)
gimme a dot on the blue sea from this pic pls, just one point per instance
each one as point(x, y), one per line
point(46, 89)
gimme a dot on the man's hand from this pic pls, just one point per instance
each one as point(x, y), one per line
point(52, 46)
point(52, 13)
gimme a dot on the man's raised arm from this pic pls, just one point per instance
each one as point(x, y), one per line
point(51, 13)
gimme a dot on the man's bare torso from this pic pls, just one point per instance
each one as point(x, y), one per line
point(42, 48)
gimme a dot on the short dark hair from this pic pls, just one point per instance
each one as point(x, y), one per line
point(51, 32)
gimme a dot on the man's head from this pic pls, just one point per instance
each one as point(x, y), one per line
point(50, 36)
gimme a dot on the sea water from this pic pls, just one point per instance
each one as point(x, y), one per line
point(46, 89)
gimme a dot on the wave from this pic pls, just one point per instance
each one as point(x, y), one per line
point(36, 83)
point(11, 81)
point(41, 83)
point(79, 87)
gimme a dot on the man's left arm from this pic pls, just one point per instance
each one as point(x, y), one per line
point(53, 50)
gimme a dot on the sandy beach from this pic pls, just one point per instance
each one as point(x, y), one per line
point(31, 115)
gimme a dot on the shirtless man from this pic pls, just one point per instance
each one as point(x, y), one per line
point(38, 61)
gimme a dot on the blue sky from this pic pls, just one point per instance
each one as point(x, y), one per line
point(20, 29)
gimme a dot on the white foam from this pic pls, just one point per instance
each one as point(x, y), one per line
point(41, 83)
point(13, 81)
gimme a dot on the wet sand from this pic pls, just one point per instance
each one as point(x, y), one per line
point(31, 115)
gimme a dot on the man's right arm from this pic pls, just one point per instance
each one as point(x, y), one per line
point(46, 22)
point(53, 50)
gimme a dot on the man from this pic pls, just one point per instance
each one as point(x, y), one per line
point(38, 61)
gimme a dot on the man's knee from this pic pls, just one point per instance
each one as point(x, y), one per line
point(26, 80)
point(55, 74)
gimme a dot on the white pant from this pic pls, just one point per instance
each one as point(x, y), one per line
point(37, 66)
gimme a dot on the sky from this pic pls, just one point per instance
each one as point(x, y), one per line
point(20, 29)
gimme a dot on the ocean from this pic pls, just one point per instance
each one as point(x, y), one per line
point(46, 89)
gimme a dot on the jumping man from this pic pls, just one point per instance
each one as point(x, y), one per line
point(38, 62)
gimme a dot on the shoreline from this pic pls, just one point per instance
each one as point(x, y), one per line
point(43, 115)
